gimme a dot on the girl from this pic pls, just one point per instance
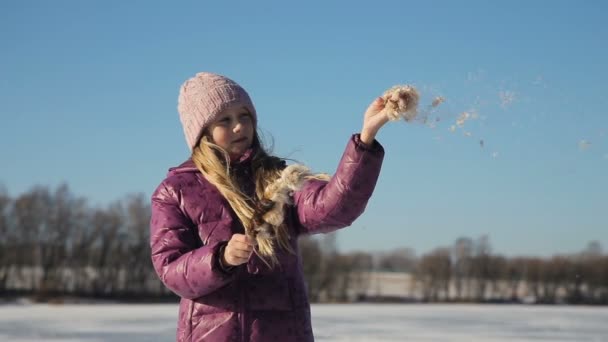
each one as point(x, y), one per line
point(213, 241)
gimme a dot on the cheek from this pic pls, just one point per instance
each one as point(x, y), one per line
point(251, 127)
point(219, 136)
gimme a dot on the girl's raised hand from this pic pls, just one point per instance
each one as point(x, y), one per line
point(373, 120)
point(238, 250)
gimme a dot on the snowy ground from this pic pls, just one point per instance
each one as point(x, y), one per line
point(350, 322)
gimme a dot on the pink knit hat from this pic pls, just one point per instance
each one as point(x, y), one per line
point(203, 97)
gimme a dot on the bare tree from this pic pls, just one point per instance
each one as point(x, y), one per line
point(310, 252)
point(462, 260)
point(591, 275)
point(338, 288)
point(106, 249)
point(594, 249)
point(327, 273)
point(83, 249)
point(514, 276)
point(31, 212)
point(532, 275)
point(6, 239)
point(330, 264)
point(66, 213)
point(434, 273)
point(553, 276)
point(398, 260)
point(495, 274)
point(481, 266)
point(602, 268)
point(359, 281)
point(136, 259)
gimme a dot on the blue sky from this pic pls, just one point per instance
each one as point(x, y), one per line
point(88, 96)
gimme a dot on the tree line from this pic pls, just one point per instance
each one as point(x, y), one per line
point(467, 271)
point(54, 244)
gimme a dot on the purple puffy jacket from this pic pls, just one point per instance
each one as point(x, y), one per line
point(191, 221)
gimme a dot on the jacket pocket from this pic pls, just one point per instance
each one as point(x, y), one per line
point(265, 292)
point(222, 300)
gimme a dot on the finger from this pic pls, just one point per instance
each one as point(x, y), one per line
point(235, 261)
point(240, 255)
point(376, 106)
point(251, 241)
point(238, 237)
point(244, 239)
point(241, 246)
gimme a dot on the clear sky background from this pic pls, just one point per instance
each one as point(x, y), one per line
point(88, 96)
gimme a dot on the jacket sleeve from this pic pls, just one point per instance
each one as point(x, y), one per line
point(324, 206)
point(183, 265)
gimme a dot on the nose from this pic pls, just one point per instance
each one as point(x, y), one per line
point(237, 127)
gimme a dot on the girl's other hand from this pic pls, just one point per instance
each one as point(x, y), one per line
point(238, 250)
point(373, 120)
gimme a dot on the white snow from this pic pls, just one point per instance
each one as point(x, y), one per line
point(346, 322)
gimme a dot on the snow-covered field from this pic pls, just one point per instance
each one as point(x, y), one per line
point(348, 322)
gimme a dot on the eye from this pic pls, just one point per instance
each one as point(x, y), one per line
point(245, 116)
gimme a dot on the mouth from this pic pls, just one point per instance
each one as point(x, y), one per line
point(239, 140)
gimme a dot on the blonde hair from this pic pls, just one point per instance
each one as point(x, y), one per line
point(214, 163)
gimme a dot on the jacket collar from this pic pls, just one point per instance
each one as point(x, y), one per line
point(189, 166)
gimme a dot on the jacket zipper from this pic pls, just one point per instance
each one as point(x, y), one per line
point(244, 333)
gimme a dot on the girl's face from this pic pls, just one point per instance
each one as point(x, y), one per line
point(233, 131)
